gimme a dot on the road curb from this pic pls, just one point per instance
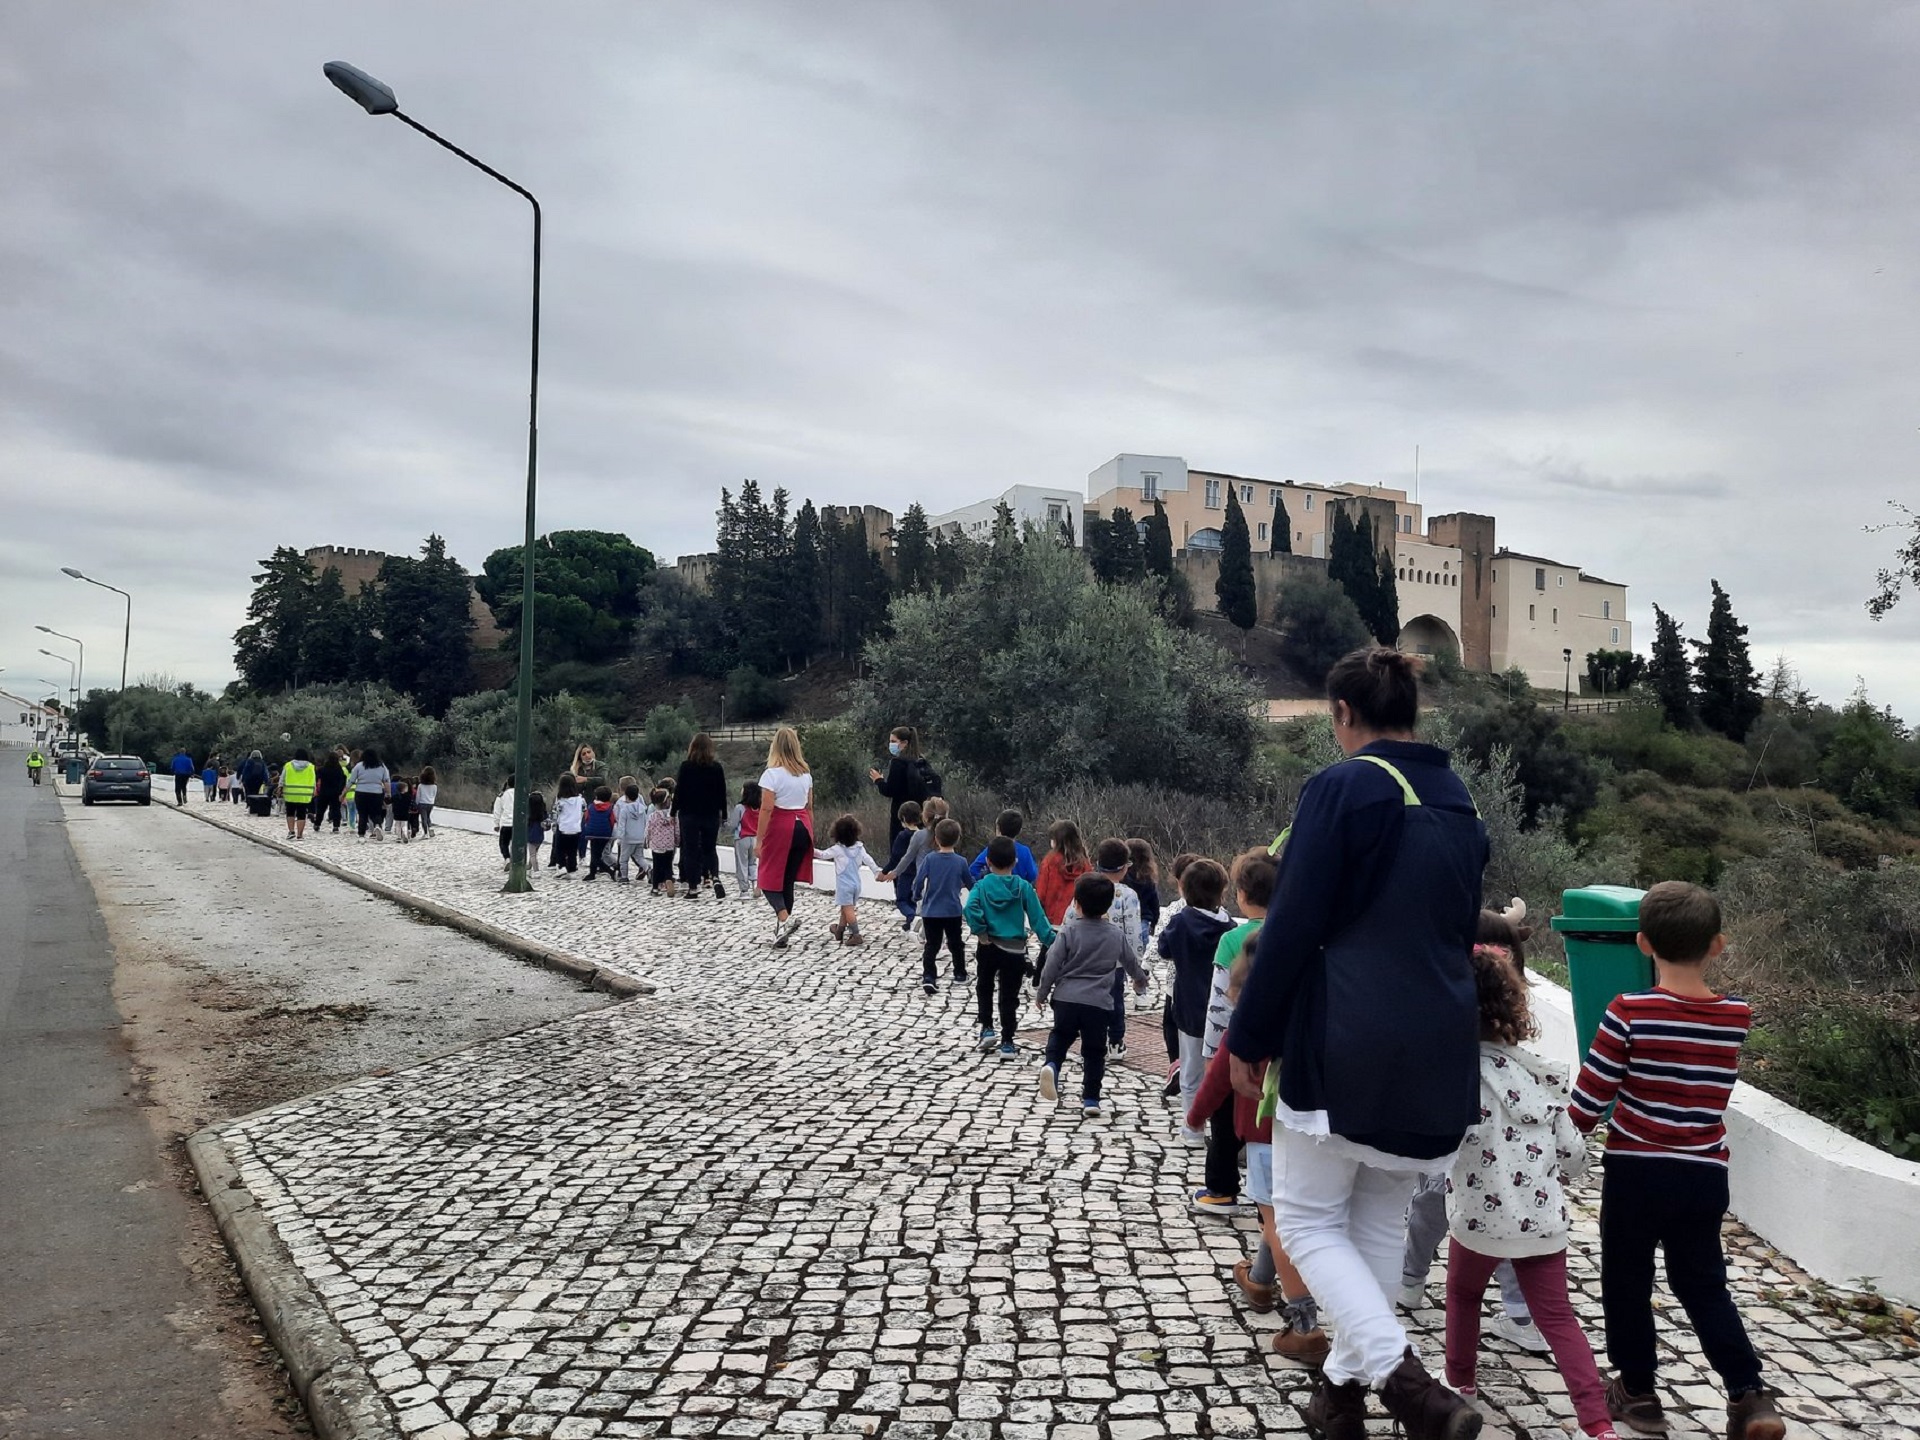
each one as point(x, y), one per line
point(617, 983)
point(342, 1401)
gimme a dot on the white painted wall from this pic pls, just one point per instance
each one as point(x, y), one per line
point(1035, 503)
point(1840, 1208)
point(1127, 472)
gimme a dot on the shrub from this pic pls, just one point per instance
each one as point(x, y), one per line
point(751, 695)
point(1638, 738)
point(839, 757)
point(667, 731)
point(1855, 1065)
point(1318, 624)
point(1034, 676)
point(1795, 918)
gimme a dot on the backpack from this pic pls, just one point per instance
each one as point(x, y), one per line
point(929, 779)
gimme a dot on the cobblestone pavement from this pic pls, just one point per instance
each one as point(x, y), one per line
point(785, 1196)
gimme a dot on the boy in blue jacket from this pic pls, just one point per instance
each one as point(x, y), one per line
point(1010, 824)
point(999, 909)
point(939, 881)
point(1189, 941)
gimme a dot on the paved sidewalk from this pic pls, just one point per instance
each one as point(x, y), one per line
point(784, 1196)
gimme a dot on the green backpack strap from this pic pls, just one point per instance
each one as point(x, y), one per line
point(1278, 841)
point(1406, 788)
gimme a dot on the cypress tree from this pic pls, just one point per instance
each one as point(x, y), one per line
point(1386, 593)
point(1282, 527)
point(912, 552)
point(1234, 591)
point(1669, 672)
point(1729, 687)
point(1159, 542)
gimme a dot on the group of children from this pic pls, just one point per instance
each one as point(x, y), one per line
point(623, 831)
point(1662, 1067)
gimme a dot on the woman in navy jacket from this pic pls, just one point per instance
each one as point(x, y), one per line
point(1362, 992)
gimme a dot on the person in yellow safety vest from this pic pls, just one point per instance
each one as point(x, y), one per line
point(298, 780)
point(35, 763)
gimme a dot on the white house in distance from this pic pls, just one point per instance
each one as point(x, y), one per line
point(1544, 608)
point(1044, 506)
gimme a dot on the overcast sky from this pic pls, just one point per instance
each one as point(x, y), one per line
point(1638, 279)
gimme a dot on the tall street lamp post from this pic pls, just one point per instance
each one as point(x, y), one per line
point(126, 637)
point(1566, 696)
point(377, 99)
point(73, 679)
point(80, 673)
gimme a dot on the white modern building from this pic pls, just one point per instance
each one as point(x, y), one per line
point(1043, 506)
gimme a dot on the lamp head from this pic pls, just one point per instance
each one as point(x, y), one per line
point(44, 631)
point(361, 88)
point(69, 570)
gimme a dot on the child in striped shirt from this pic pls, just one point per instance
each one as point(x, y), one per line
point(1666, 1060)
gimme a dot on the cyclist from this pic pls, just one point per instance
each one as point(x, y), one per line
point(36, 762)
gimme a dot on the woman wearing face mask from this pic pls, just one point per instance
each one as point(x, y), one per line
point(905, 778)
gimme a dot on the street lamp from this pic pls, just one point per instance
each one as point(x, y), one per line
point(126, 638)
point(377, 99)
point(73, 680)
point(1566, 698)
point(80, 673)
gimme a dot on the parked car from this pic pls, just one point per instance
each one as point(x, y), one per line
point(117, 777)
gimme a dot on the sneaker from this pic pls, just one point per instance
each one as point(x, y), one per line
point(854, 937)
point(1259, 1297)
point(1049, 1082)
point(1640, 1412)
point(929, 987)
point(719, 891)
point(1089, 1109)
point(959, 981)
point(1197, 1139)
point(1206, 1202)
point(917, 925)
point(1413, 1294)
point(1118, 1049)
point(1525, 1334)
point(780, 934)
point(1008, 1050)
point(793, 925)
point(987, 1038)
point(1752, 1417)
point(836, 930)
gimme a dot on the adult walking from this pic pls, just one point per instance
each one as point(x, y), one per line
point(329, 785)
point(700, 805)
point(299, 781)
point(370, 783)
point(182, 767)
point(1364, 999)
point(906, 777)
point(786, 830)
point(252, 778)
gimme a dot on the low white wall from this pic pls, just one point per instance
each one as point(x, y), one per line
point(1840, 1208)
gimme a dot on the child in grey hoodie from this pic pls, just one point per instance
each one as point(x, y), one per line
point(1078, 977)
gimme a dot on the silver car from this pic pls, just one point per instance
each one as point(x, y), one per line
point(117, 777)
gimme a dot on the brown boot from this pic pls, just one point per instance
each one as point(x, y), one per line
point(1425, 1408)
point(1259, 1297)
point(1309, 1347)
point(1752, 1417)
point(1337, 1412)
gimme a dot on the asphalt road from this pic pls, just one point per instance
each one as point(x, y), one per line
point(89, 1221)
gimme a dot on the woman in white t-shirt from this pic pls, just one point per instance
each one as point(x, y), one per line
point(785, 844)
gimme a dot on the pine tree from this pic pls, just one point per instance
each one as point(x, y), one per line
point(425, 610)
point(1669, 672)
point(1282, 527)
point(1234, 591)
point(1006, 534)
point(1386, 600)
point(1159, 542)
point(802, 610)
point(1729, 687)
point(1113, 548)
point(912, 552)
point(952, 557)
point(267, 649)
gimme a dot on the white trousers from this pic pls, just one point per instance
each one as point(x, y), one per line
point(1193, 1070)
point(1344, 1224)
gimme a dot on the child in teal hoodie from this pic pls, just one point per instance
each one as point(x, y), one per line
point(1000, 907)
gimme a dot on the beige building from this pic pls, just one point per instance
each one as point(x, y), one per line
point(1546, 612)
point(1196, 502)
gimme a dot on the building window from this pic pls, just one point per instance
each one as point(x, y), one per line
point(1297, 537)
point(1150, 484)
point(1406, 524)
point(1263, 529)
point(1055, 514)
point(1213, 495)
point(1539, 578)
point(1403, 577)
point(1274, 496)
point(1495, 610)
point(1556, 614)
point(1562, 580)
point(1208, 539)
point(1616, 634)
point(1309, 502)
point(1531, 613)
point(1246, 494)
point(1606, 609)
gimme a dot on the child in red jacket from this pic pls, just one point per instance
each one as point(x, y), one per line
point(1303, 1339)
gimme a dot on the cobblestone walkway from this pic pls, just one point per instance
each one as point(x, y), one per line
point(785, 1196)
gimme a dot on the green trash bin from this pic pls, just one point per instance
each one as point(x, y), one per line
point(76, 768)
point(1599, 924)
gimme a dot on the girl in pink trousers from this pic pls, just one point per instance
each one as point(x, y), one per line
point(1504, 1197)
